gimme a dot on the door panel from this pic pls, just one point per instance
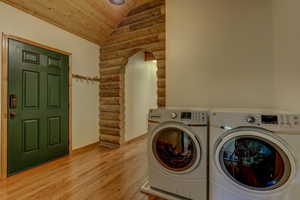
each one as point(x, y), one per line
point(54, 131)
point(38, 130)
point(31, 89)
point(31, 135)
point(53, 90)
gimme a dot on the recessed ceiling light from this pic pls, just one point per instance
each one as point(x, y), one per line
point(117, 2)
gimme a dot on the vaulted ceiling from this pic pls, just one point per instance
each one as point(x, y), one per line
point(93, 20)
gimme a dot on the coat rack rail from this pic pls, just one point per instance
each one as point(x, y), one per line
point(87, 78)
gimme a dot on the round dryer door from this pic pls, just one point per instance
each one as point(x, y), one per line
point(176, 148)
point(254, 159)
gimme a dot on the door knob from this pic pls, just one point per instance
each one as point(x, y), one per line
point(12, 114)
point(13, 101)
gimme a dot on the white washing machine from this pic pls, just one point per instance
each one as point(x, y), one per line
point(177, 153)
point(254, 156)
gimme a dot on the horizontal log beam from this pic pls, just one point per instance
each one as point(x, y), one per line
point(161, 92)
point(110, 138)
point(110, 78)
point(110, 70)
point(132, 44)
point(161, 83)
point(110, 116)
point(161, 73)
point(110, 108)
point(161, 102)
point(110, 131)
point(111, 85)
point(110, 100)
point(110, 124)
point(131, 35)
point(150, 23)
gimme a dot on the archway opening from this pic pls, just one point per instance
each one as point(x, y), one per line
point(140, 91)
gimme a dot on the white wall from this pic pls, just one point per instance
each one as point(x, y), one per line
point(84, 61)
point(140, 94)
point(220, 53)
point(286, 42)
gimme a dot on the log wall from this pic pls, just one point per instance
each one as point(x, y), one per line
point(142, 30)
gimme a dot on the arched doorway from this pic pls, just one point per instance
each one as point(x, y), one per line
point(140, 89)
point(112, 94)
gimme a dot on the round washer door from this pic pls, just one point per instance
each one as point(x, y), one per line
point(175, 148)
point(254, 159)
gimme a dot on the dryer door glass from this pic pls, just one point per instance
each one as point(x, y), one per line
point(255, 163)
point(175, 149)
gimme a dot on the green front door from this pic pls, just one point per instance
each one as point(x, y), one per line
point(38, 106)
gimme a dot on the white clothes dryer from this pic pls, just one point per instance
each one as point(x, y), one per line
point(177, 152)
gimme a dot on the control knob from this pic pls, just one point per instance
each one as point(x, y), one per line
point(173, 115)
point(251, 119)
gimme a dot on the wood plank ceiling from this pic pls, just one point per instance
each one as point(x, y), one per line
point(93, 20)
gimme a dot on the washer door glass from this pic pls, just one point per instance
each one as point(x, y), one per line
point(255, 163)
point(175, 149)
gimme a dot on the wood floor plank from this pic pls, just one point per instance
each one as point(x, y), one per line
point(94, 174)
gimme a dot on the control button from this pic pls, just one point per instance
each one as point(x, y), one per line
point(251, 120)
point(173, 115)
point(296, 123)
point(296, 117)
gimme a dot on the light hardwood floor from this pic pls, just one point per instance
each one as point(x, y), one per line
point(94, 173)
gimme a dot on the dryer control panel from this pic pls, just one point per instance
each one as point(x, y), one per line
point(188, 117)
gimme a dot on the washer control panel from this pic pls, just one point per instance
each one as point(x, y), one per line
point(289, 120)
point(280, 120)
point(273, 121)
point(187, 117)
point(269, 119)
